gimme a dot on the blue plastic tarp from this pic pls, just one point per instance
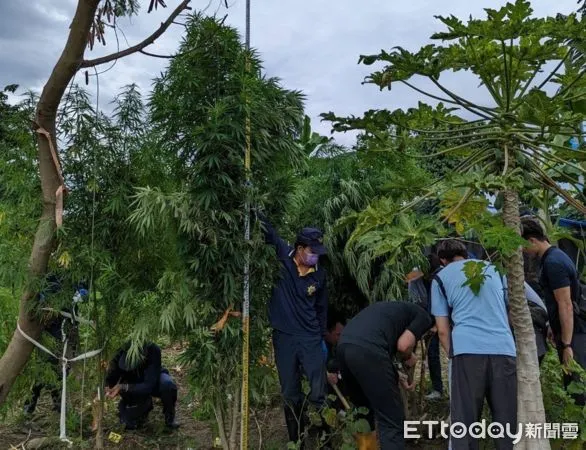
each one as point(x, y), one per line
point(569, 223)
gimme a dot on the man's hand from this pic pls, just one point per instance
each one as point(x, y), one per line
point(332, 378)
point(404, 381)
point(550, 338)
point(411, 361)
point(113, 392)
point(568, 356)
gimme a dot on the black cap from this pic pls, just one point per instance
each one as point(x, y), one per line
point(313, 238)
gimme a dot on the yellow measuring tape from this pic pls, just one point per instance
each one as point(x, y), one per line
point(244, 418)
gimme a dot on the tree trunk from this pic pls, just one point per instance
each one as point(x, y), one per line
point(219, 413)
point(235, 417)
point(529, 398)
point(19, 349)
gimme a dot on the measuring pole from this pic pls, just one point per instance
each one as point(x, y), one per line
point(246, 300)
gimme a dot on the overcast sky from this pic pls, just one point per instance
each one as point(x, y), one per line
point(312, 45)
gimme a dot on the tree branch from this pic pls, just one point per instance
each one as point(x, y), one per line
point(507, 86)
point(488, 113)
point(435, 97)
point(464, 136)
point(447, 150)
point(553, 186)
point(569, 86)
point(568, 178)
point(461, 130)
point(491, 89)
point(529, 81)
point(554, 71)
point(156, 56)
point(550, 156)
point(138, 47)
point(463, 200)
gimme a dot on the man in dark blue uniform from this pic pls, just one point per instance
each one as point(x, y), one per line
point(137, 383)
point(298, 316)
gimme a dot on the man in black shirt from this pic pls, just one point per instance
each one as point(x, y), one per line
point(137, 383)
point(561, 288)
point(368, 346)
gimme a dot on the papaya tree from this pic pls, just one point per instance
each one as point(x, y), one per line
point(506, 144)
point(88, 26)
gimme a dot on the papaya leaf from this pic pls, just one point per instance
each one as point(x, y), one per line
point(475, 275)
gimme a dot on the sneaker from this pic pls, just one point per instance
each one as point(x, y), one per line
point(434, 395)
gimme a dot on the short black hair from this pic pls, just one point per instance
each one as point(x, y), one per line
point(334, 317)
point(530, 228)
point(434, 263)
point(450, 248)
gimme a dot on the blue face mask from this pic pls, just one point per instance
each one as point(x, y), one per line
point(310, 259)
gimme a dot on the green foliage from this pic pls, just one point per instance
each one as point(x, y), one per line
point(198, 111)
point(475, 272)
point(559, 406)
point(512, 143)
point(386, 245)
point(19, 190)
point(343, 428)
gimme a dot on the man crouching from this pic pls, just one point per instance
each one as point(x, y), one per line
point(137, 383)
point(369, 344)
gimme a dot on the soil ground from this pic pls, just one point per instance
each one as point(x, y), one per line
point(268, 431)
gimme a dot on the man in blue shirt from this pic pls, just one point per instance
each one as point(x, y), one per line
point(561, 289)
point(298, 316)
point(480, 344)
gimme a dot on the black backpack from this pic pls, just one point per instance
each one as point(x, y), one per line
point(580, 305)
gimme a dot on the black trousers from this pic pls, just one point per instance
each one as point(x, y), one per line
point(372, 382)
point(474, 378)
point(294, 355)
point(31, 404)
point(134, 409)
point(579, 349)
point(434, 362)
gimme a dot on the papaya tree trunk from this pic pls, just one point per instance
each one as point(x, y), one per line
point(529, 398)
point(19, 349)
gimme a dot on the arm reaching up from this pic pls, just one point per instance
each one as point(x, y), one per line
point(272, 237)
